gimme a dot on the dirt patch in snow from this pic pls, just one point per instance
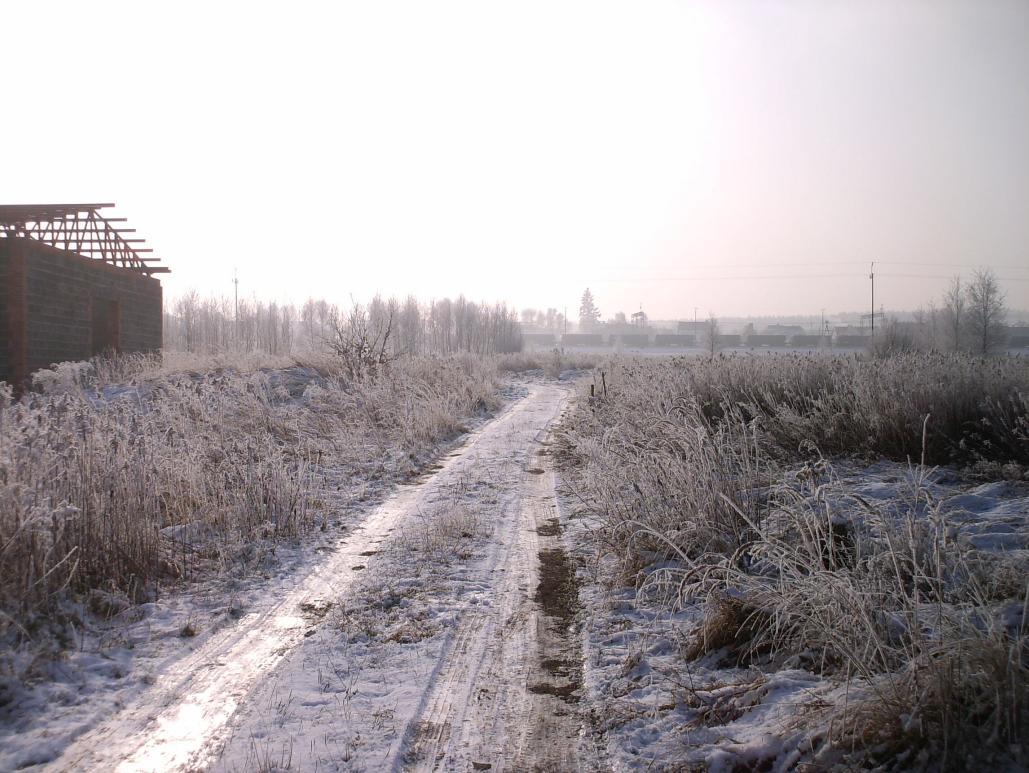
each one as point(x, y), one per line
point(558, 591)
point(551, 528)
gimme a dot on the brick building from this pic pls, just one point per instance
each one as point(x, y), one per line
point(71, 287)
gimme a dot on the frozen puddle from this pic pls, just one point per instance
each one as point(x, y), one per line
point(491, 686)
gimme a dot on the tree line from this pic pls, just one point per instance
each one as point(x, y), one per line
point(970, 318)
point(399, 327)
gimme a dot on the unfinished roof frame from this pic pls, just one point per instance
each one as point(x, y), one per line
point(79, 228)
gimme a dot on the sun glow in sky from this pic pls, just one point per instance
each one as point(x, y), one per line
point(739, 157)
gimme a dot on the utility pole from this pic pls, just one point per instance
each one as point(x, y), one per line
point(566, 319)
point(694, 319)
point(235, 319)
point(871, 275)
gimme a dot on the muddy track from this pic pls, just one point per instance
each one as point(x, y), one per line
point(502, 691)
point(506, 692)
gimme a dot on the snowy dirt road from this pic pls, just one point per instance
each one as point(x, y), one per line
point(440, 635)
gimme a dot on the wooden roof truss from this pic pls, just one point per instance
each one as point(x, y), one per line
point(79, 228)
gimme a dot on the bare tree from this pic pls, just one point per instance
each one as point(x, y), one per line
point(709, 336)
point(954, 313)
point(985, 312)
point(926, 326)
point(411, 328)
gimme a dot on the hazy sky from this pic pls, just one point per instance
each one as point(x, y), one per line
point(732, 156)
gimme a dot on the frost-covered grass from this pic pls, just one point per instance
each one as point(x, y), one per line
point(977, 408)
point(118, 477)
point(552, 362)
point(712, 485)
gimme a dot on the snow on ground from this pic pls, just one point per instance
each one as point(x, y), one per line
point(651, 709)
point(418, 636)
point(124, 650)
point(441, 628)
point(425, 661)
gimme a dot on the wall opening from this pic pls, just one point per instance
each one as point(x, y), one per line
point(106, 326)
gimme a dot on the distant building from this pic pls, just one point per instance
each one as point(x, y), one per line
point(784, 330)
point(691, 326)
point(582, 339)
point(536, 340)
point(851, 330)
point(72, 287)
point(675, 339)
point(1018, 336)
point(805, 340)
point(635, 340)
point(756, 340)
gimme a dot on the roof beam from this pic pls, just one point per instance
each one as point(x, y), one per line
point(66, 237)
point(114, 249)
point(53, 207)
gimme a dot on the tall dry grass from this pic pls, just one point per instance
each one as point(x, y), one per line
point(552, 362)
point(978, 407)
point(118, 475)
point(711, 480)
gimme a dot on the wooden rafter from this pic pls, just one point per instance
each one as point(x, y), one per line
point(79, 228)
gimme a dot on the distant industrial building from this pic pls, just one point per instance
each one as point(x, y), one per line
point(72, 286)
point(539, 339)
point(692, 326)
point(1018, 336)
point(675, 339)
point(765, 339)
point(805, 340)
point(582, 339)
point(632, 339)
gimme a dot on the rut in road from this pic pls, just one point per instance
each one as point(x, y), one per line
point(491, 682)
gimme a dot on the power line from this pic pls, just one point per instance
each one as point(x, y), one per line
point(843, 263)
point(948, 276)
point(725, 277)
point(753, 277)
point(1003, 267)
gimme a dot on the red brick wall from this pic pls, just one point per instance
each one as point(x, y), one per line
point(60, 290)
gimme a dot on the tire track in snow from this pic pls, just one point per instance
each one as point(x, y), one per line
point(497, 700)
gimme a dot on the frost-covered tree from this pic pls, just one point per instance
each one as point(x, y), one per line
point(589, 314)
point(213, 325)
point(954, 314)
point(927, 327)
point(410, 327)
point(985, 312)
point(709, 335)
